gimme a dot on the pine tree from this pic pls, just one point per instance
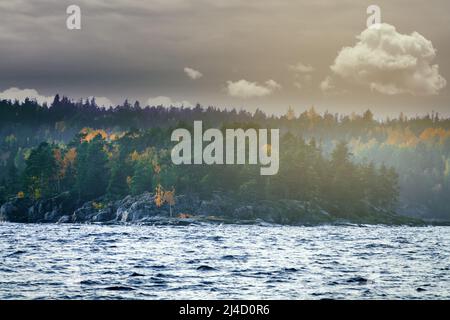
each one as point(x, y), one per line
point(3, 192)
point(117, 186)
point(141, 180)
point(40, 173)
point(92, 170)
point(345, 192)
point(290, 114)
point(12, 180)
point(387, 188)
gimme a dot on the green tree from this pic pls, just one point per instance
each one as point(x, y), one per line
point(3, 193)
point(12, 182)
point(346, 193)
point(117, 186)
point(92, 170)
point(388, 188)
point(40, 171)
point(141, 180)
point(369, 180)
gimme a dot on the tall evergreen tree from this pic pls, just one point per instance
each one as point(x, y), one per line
point(117, 186)
point(141, 180)
point(92, 170)
point(12, 180)
point(40, 171)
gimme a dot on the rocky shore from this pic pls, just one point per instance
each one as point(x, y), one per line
point(220, 208)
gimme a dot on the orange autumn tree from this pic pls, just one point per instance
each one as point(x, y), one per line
point(169, 198)
point(89, 134)
point(437, 135)
point(159, 192)
point(64, 163)
point(159, 196)
point(162, 196)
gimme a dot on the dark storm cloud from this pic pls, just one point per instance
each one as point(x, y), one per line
point(139, 49)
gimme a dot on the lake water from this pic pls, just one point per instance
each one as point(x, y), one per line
point(223, 262)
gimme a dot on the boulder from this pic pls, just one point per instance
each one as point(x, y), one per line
point(219, 205)
point(85, 213)
point(186, 204)
point(268, 211)
point(244, 213)
point(208, 208)
point(53, 216)
point(139, 208)
point(105, 215)
point(65, 219)
point(34, 215)
point(51, 209)
point(15, 210)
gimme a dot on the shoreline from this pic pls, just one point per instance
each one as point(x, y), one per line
point(190, 209)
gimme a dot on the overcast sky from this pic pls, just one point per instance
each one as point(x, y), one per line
point(231, 53)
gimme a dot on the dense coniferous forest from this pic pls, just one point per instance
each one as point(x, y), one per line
point(346, 164)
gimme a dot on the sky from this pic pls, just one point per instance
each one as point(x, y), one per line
point(266, 54)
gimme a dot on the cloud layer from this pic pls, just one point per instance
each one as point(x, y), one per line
point(192, 73)
point(21, 94)
point(301, 68)
point(246, 89)
point(327, 85)
point(167, 102)
point(390, 63)
point(103, 102)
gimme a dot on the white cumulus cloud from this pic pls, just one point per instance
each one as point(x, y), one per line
point(302, 73)
point(168, 102)
point(301, 68)
point(389, 62)
point(21, 94)
point(327, 84)
point(272, 84)
point(192, 73)
point(247, 89)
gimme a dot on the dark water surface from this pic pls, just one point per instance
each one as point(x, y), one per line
point(223, 262)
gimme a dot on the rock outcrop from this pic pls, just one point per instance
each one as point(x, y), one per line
point(15, 210)
point(220, 208)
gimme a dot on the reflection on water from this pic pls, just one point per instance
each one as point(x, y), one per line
point(223, 262)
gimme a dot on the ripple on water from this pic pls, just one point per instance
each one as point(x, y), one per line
point(158, 267)
point(90, 282)
point(16, 253)
point(119, 288)
point(206, 268)
point(358, 280)
point(229, 257)
point(136, 274)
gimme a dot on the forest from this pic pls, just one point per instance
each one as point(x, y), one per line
point(346, 164)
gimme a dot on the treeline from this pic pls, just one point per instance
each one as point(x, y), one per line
point(95, 165)
point(65, 117)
